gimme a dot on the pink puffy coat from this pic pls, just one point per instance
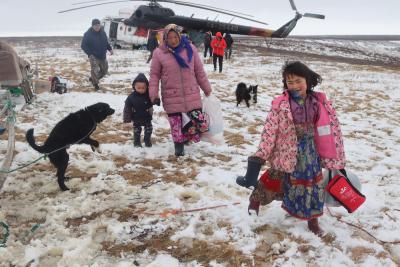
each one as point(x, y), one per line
point(180, 90)
point(278, 143)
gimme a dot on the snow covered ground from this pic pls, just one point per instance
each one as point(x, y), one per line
point(120, 210)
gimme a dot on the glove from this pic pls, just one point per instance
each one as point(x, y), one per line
point(251, 177)
point(156, 101)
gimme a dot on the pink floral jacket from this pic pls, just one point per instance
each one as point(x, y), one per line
point(278, 143)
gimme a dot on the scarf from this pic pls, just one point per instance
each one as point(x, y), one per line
point(303, 110)
point(183, 44)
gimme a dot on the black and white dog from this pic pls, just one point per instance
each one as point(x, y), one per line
point(76, 128)
point(243, 93)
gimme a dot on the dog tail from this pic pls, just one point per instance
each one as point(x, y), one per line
point(31, 140)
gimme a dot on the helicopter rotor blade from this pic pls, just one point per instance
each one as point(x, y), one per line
point(87, 2)
point(315, 16)
point(95, 1)
point(201, 5)
point(293, 5)
point(99, 4)
point(211, 9)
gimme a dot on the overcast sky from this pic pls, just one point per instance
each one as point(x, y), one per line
point(40, 17)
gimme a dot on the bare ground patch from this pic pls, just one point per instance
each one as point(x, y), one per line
point(184, 250)
point(235, 139)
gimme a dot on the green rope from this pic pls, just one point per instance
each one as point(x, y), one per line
point(31, 231)
point(23, 166)
point(16, 91)
point(6, 233)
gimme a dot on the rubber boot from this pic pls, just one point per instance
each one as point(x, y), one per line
point(179, 149)
point(251, 177)
point(313, 226)
point(148, 129)
point(136, 136)
point(147, 140)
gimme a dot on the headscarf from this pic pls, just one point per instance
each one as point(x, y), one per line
point(183, 44)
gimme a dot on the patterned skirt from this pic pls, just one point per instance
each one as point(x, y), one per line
point(190, 131)
point(303, 190)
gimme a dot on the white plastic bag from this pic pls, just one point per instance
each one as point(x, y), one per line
point(329, 200)
point(212, 110)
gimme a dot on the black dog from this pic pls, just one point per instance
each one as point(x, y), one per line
point(243, 93)
point(253, 89)
point(76, 128)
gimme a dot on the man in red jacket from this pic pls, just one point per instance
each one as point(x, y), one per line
point(218, 46)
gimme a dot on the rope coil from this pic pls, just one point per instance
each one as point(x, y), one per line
point(6, 234)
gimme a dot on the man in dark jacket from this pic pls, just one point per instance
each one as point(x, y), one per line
point(152, 44)
point(229, 42)
point(95, 45)
point(207, 43)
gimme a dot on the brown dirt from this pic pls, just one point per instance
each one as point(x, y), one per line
point(138, 176)
point(200, 250)
point(234, 139)
point(359, 253)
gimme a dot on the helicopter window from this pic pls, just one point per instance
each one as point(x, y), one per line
point(138, 13)
point(120, 28)
point(129, 29)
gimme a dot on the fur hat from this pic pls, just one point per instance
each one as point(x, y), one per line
point(95, 22)
point(140, 78)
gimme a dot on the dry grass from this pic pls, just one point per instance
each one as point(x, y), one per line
point(235, 139)
point(252, 129)
point(179, 177)
point(154, 163)
point(74, 172)
point(120, 161)
point(223, 158)
point(359, 253)
point(184, 250)
point(138, 176)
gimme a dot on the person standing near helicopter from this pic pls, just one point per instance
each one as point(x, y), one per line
point(95, 44)
point(152, 44)
point(218, 46)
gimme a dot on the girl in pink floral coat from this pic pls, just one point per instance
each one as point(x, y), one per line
point(301, 136)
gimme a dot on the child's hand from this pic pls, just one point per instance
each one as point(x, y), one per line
point(126, 126)
point(156, 101)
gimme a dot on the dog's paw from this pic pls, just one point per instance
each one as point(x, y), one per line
point(94, 149)
point(95, 143)
point(98, 149)
point(64, 188)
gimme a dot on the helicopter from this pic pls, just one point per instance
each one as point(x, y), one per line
point(154, 16)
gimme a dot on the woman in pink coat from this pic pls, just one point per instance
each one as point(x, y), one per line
point(176, 63)
point(301, 136)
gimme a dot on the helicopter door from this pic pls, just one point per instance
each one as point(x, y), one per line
point(113, 30)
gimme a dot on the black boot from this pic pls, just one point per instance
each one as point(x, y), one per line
point(147, 141)
point(137, 130)
point(148, 129)
point(251, 177)
point(179, 147)
point(313, 226)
